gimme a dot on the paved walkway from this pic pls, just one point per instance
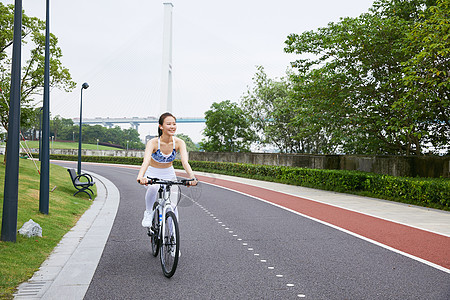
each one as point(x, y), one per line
point(67, 272)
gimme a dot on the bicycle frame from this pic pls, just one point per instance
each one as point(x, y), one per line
point(165, 205)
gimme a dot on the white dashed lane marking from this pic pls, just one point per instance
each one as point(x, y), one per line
point(263, 261)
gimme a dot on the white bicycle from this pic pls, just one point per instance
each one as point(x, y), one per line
point(164, 232)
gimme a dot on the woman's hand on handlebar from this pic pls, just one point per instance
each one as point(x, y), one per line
point(142, 180)
point(193, 182)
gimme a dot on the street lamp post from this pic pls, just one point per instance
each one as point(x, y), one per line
point(44, 151)
point(40, 133)
point(97, 144)
point(84, 86)
point(11, 186)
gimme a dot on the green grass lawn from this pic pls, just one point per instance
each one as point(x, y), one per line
point(19, 260)
point(65, 145)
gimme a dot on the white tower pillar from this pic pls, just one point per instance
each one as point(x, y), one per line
point(166, 83)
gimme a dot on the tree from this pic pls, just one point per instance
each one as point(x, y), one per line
point(90, 134)
point(56, 125)
point(114, 135)
point(63, 129)
point(352, 91)
point(318, 106)
point(132, 136)
point(268, 106)
point(33, 33)
point(427, 72)
point(227, 129)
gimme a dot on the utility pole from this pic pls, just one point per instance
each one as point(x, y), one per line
point(166, 83)
point(11, 190)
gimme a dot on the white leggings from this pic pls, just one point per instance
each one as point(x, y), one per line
point(152, 189)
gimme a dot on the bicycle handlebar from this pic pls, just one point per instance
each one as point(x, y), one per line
point(169, 182)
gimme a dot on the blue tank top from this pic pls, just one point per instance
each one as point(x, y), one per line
point(158, 156)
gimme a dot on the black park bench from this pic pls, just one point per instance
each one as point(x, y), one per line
point(82, 186)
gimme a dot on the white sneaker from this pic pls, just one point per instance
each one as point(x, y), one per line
point(147, 220)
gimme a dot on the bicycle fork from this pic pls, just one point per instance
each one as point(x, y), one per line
point(162, 220)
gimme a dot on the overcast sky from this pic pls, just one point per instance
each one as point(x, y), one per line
point(116, 46)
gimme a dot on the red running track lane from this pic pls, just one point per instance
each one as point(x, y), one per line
point(423, 244)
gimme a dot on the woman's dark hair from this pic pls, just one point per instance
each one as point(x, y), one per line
point(161, 121)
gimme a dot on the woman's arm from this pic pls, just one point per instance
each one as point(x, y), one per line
point(184, 160)
point(146, 162)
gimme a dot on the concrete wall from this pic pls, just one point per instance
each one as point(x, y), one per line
point(411, 166)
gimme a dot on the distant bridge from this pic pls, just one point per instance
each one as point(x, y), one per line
point(134, 121)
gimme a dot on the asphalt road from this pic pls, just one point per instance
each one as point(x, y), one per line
point(236, 247)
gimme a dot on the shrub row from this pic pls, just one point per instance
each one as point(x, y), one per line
point(100, 159)
point(421, 191)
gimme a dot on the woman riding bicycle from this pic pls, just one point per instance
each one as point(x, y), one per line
point(157, 164)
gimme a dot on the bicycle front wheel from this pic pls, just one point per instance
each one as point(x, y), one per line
point(154, 237)
point(170, 247)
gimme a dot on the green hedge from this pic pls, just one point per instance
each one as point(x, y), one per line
point(101, 159)
point(420, 191)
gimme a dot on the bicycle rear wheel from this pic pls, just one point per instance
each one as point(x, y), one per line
point(154, 237)
point(170, 246)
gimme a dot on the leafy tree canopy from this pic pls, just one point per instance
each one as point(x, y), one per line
point(227, 129)
point(32, 77)
point(269, 107)
point(374, 84)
